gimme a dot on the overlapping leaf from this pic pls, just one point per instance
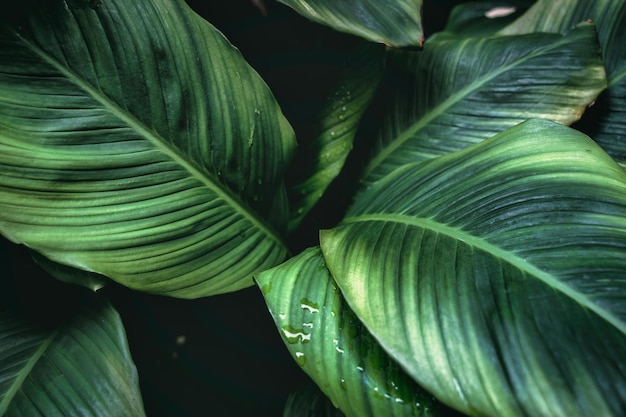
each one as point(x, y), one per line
point(135, 142)
point(458, 91)
point(333, 347)
point(483, 18)
point(496, 275)
point(82, 368)
point(320, 160)
point(606, 122)
point(393, 22)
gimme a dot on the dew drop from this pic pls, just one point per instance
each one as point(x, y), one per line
point(294, 335)
point(309, 305)
point(300, 358)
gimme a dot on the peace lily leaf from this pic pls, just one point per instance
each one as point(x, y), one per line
point(457, 92)
point(320, 160)
point(393, 22)
point(483, 18)
point(606, 123)
point(136, 143)
point(495, 275)
point(333, 347)
point(81, 368)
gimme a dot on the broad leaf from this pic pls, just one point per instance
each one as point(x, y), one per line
point(458, 91)
point(606, 122)
point(495, 275)
point(81, 368)
point(392, 22)
point(333, 347)
point(137, 143)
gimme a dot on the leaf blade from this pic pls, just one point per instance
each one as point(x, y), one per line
point(459, 91)
point(398, 23)
point(82, 367)
point(502, 291)
point(330, 344)
point(134, 142)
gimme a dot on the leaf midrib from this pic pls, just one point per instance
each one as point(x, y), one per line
point(508, 256)
point(25, 372)
point(453, 99)
point(156, 140)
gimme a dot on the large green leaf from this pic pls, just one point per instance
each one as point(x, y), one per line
point(137, 143)
point(333, 347)
point(496, 275)
point(392, 22)
point(607, 120)
point(459, 91)
point(81, 368)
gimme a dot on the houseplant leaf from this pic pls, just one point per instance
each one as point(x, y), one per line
point(394, 22)
point(82, 367)
point(333, 347)
point(495, 275)
point(459, 91)
point(137, 143)
point(605, 123)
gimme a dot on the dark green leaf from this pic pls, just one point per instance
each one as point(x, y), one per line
point(137, 143)
point(82, 368)
point(606, 122)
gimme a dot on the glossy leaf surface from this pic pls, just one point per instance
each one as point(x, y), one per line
point(138, 144)
point(392, 22)
point(81, 368)
point(459, 91)
point(495, 275)
point(606, 122)
point(333, 347)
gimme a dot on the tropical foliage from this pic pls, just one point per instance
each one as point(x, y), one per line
point(447, 236)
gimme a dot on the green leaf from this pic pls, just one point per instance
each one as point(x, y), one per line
point(458, 91)
point(137, 143)
point(320, 160)
point(333, 347)
point(606, 122)
point(81, 368)
point(495, 275)
point(393, 22)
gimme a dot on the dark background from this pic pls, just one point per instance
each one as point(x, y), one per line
point(222, 355)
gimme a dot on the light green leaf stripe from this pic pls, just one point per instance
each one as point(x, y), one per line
point(505, 264)
point(80, 368)
point(334, 348)
point(395, 23)
point(123, 153)
point(459, 91)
